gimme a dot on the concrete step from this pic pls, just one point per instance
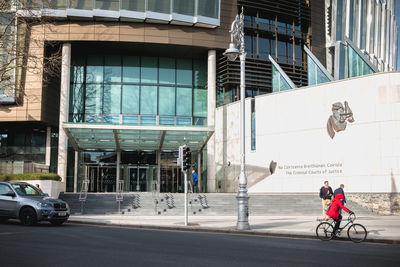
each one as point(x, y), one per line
point(218, 204)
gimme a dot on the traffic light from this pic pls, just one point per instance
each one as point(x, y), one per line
point(186, 158)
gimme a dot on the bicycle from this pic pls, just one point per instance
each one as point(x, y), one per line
point(356, 232)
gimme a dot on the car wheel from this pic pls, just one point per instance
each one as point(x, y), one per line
point(57, 222)
point(28, 216)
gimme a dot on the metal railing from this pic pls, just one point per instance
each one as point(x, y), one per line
point(83, 193)
point(119, 197)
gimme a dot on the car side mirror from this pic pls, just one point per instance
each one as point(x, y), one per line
point(10, 194)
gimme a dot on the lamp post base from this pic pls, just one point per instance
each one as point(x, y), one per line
point(243, 210)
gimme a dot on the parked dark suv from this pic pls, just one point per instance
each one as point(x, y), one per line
point(25, 202)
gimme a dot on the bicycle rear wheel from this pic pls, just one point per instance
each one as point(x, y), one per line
point(357, 233)
point(324, 231)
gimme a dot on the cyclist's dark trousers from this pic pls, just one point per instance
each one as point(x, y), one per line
point(337, 224)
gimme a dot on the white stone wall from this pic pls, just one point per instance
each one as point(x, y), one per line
point(50, 187)
point(291, 129)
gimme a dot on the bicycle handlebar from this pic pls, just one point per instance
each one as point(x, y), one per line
point(352, 217)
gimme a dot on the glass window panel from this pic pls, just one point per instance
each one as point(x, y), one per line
point(200, 73)
point(148, 100)
point(147, 120)
point(93, 118)
point(278, 82)
point(200, 103)
point(133, 5)
point(94, 70)
point(371, 21)
point(81, 4)
point(254, 48)
point(356, 65)
point(363, 24)
point(263, 46)
point(183, 121)
point(107, 4)
point(166, 100)
point(93, 98)
point(185, 7)
point(199, 121)
point(166, 120)
point(130, 120)
point(112, 69)
point(272, 48)
point(113, 119)
point(149, 70)
point(55, 4)
point(282, 52)
point(184, 101)
point(76, 104)
point(112, 99)
point(167, 70)
point(163, 6)
point(78, 69)
point(208, 8)
point(130, 99)
point(322, 78)
point(248, 46)
point(312, 79)
point(264, 24)
point(315, 74)
point(184, 72)
point(298, 54)
point(339, 17)
point(351, 19)
point(290, 53)
point(131, 69)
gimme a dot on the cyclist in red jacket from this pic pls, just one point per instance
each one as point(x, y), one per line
point(333, 211)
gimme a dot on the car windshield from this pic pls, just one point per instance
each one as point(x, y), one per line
point(27, 190)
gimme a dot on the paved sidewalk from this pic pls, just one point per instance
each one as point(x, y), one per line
point(384, 229)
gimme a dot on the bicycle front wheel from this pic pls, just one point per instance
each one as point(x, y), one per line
point(324, 231)
point(357, 233)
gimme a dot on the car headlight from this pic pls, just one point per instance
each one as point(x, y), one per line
point(44, 205)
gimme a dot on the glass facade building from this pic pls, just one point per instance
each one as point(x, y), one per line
point(138, 90)
point(272, 30)
point(369, 24)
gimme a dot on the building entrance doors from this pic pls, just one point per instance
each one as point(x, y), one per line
point(171, 180)
point(139, 178)
point(101, 178)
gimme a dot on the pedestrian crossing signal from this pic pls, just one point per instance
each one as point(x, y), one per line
point(186, 158)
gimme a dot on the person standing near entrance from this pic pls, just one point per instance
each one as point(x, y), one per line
point(195, 180)
point(325, 193)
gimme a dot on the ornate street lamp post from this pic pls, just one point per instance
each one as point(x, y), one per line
point(237, 40)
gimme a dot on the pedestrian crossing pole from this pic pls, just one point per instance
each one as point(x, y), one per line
point(186, 202)
point(183, 156)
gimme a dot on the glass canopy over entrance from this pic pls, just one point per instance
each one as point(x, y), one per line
point(132, 158)
point(124, 137)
